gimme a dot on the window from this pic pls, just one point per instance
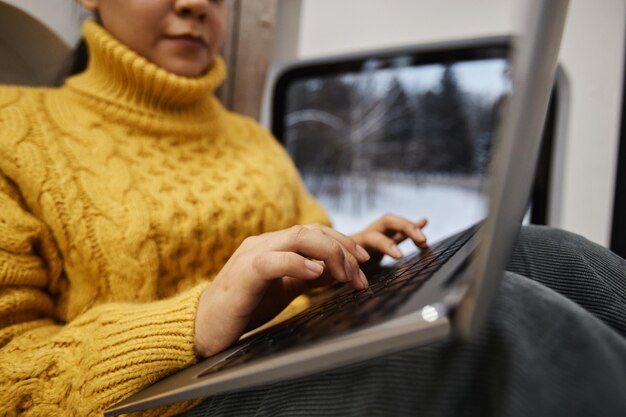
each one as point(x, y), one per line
point(405, 131)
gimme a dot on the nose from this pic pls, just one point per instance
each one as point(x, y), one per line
point(197, 9)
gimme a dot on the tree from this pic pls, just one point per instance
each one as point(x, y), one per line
point(445, 130)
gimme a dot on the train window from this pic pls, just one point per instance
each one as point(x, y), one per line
point(405, 131)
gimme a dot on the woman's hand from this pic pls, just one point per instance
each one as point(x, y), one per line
point(381, 237)
point(265, 273)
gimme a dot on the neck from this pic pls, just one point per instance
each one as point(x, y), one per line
point(133, 89)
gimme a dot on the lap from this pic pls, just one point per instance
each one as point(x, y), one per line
point(586, 273)
point(539, 354)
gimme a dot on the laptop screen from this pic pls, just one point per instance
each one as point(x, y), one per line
point(408, 132)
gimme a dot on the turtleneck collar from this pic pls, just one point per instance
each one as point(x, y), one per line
point(119, 80)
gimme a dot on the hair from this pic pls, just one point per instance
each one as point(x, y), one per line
point(80, 56)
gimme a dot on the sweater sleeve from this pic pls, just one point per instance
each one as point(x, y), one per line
point(50, 367)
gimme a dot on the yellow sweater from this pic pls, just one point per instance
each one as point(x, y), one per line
point(122, 194)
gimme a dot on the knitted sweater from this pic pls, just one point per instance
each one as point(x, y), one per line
point(122, 194)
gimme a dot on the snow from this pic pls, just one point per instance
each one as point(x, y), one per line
point(449, 207)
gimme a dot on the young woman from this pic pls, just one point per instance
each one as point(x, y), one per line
point(143, 226)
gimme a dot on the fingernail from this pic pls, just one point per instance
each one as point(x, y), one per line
point(348, 269)
point(363, 279)
point(362, 253)
point(395, 251)
point(313, 266)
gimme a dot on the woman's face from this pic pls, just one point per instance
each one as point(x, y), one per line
point(181, 36)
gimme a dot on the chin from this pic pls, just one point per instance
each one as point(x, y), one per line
point(186, 69)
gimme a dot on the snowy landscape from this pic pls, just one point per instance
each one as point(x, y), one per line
point(414, 141)
point(449, 206)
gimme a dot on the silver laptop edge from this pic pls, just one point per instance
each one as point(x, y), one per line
point(534, 65)
point(519, 137)
point(386, 338)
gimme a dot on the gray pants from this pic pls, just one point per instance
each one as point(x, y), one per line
point(554, 346)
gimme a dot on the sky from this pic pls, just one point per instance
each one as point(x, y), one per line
point(482, 77)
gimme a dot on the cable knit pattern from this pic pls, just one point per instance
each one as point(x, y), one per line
point(122, 194)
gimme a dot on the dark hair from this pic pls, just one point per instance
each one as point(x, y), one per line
point(80, 58)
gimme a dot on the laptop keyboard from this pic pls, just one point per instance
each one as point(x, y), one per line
point(348, 309)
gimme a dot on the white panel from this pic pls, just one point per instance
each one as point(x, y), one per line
point(334, 26)
point(593, 53)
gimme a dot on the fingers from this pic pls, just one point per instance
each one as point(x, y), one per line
point(346, 241)
point(279, 264)
point(410, 229)
point(271, 265)
point(319, 244)
point(383, 244)
point(382, 236)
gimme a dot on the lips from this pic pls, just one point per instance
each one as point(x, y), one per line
point(188, 39)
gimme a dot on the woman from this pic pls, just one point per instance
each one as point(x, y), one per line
point(143, 226)
point(139, 188)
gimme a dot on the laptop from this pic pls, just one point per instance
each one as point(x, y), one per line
point(444, 290)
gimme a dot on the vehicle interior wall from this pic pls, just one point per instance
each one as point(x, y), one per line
point(590, 77)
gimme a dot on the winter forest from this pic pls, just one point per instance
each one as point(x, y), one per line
point(413, 140)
